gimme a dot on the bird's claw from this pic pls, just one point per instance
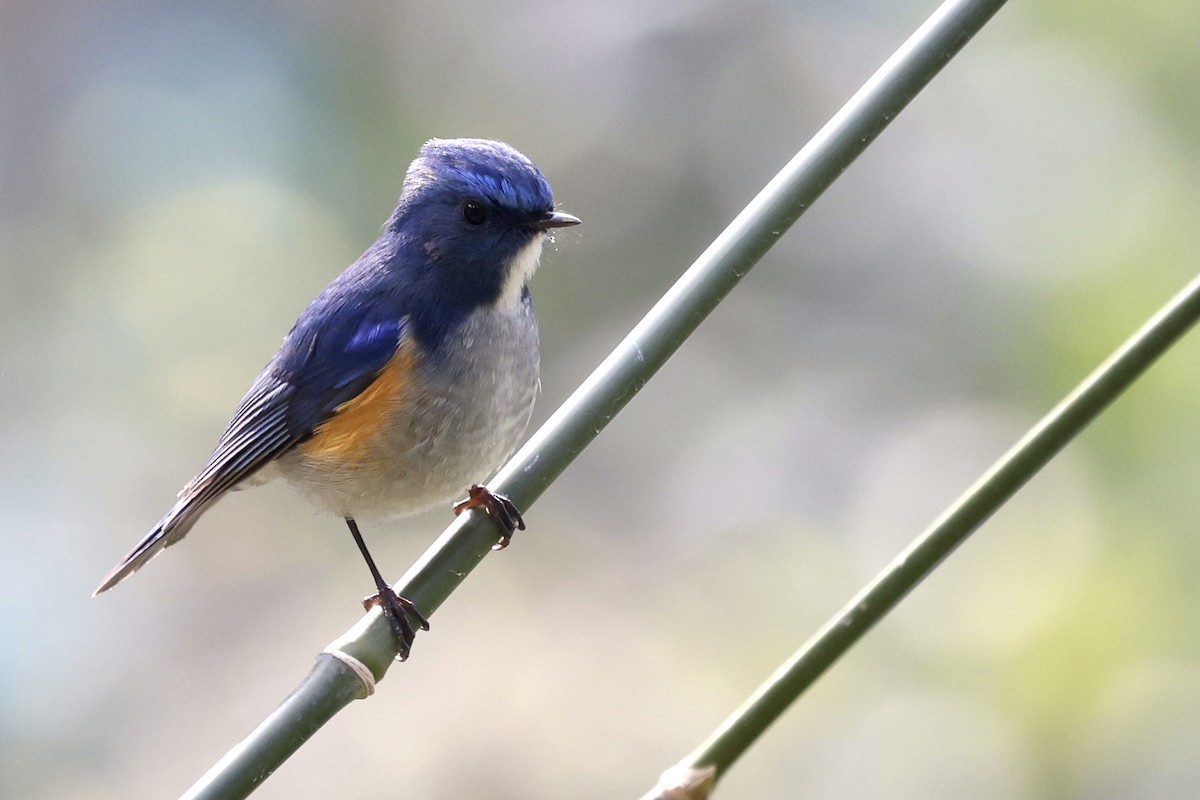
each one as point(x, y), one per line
point(503, 512)
point(397, 610)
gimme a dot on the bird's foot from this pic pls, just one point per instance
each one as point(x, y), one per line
point(503, 512)
point(397, 610)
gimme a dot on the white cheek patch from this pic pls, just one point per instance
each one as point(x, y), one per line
point(519, 271)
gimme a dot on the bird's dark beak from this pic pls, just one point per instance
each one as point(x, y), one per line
point(555, 219)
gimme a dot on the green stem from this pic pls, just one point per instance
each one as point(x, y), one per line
point(326, 691)
point(330, 686)
point(990, 492)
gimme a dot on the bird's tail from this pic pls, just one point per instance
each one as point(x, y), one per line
point(169, 530)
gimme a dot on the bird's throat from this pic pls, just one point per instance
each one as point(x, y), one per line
point(518, 272)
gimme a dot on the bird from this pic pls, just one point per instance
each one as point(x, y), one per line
point(411, 376)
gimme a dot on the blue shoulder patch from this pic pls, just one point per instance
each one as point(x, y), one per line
point(330, 362)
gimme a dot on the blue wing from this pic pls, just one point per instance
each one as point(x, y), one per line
point(330, 364)
point(333, 353)
point(330, 356)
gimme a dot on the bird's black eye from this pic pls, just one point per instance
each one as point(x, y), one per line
point(474, 212)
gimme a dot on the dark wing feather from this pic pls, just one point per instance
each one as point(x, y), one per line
point(332, 354)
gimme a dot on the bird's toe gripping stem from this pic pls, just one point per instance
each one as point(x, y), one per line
point(503, 512)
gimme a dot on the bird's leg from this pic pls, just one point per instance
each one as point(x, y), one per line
point(502, 511)
point(395, 607)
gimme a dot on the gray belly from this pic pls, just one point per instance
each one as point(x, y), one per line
point(475, 401)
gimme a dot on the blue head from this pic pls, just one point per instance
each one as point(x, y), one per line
point(471, 221)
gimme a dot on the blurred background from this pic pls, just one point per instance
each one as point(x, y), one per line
point(177, 180)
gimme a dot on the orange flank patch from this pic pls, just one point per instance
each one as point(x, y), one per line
point(347, 435)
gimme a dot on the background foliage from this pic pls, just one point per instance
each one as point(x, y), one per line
point(180, 179)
